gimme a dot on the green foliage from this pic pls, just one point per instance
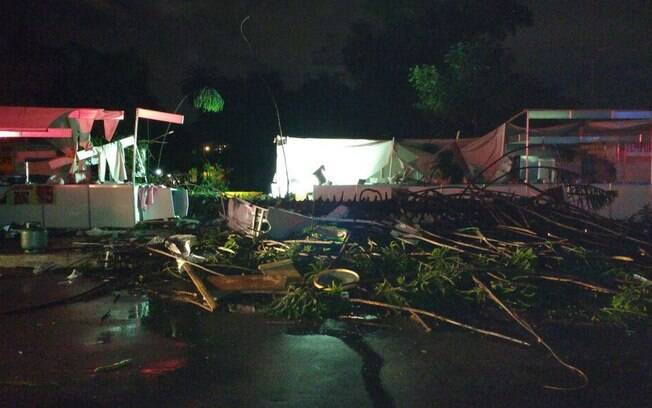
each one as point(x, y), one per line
point(439, 274)
point(521, 296)
point(402, 274)
point(457, 89)
point(395, 260)
point(361, 260)
point(316, 266)
point(430, 87)
point(401, 34)
point(443, 280)
point(520, 261)
point(208, 100)
point(224, 247)
point(266, 254)
point(209, 182)
point(438, 282)
point(212, 238)
point(392, 294)
point(231, 243)
point(214, 176)
point(632, 302)
point(306, 303)
point(433, 283)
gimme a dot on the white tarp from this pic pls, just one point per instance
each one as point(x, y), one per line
point(344, 161)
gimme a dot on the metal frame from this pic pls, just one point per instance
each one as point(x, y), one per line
point(579, 114)
point(152, 115)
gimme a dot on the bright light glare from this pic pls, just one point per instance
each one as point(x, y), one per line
point(158, 172)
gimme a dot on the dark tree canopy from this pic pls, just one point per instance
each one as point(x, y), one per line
point(407, 33)
point(469, 88)
point(410, 32)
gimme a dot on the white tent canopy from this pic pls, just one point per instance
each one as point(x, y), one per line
point(355, 161)
point(344, 161)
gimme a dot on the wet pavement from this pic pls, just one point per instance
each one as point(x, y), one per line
point(178, 355)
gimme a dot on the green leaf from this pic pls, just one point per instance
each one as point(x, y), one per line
point(209, 100)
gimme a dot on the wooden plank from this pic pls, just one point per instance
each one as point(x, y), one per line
point(60, 260)
point(200, 287)
point(249, 283)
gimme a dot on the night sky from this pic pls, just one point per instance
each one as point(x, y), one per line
point(298, 38)
point(570, 38)
point(294, 37)
point(588, 53)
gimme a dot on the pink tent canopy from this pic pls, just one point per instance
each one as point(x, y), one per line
point(482, 153)
point(33, 122)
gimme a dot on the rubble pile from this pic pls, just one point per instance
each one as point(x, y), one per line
point(475, 259)
point(494, 264)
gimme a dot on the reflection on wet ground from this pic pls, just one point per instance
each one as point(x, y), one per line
point(371, 361)
point(155, 353)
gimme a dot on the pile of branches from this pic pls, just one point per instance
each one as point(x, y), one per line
point(543, 256)
point(474, 259)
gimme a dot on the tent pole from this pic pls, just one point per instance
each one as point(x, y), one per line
point(527, 144)
point(133, 167)
point(391, 156)
point(513, 118)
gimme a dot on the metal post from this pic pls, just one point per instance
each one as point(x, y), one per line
point(391, 155)
point(527, 144)
point(133, 168)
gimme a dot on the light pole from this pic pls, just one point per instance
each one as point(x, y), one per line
point(167, 131)
point(206, 100)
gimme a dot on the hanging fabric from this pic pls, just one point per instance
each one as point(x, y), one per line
point(111, 155)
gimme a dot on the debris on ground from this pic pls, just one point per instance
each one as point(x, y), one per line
point(476, 260)
point(283, 267)
point(71, 278)
point(112, 367)
point(462, 259)
point(44, 267)
point(250, 283)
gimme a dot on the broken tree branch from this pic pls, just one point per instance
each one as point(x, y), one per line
point(440, 318)
point(589, 286)
point(529, 329)
point(185, 261)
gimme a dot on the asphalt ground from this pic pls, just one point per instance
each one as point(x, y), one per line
point(123, 348)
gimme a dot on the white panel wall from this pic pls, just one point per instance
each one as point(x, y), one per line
point(70, 208)
point(112, 205)
point(161, 208)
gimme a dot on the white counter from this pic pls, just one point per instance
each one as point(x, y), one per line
point(86, 206)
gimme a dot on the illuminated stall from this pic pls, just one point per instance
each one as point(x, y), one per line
point(610, 149)
point(51, 173)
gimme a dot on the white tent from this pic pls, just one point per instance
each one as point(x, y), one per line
point(342, 162)
point(302, 162)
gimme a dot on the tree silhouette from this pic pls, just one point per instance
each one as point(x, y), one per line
point(403, 34)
